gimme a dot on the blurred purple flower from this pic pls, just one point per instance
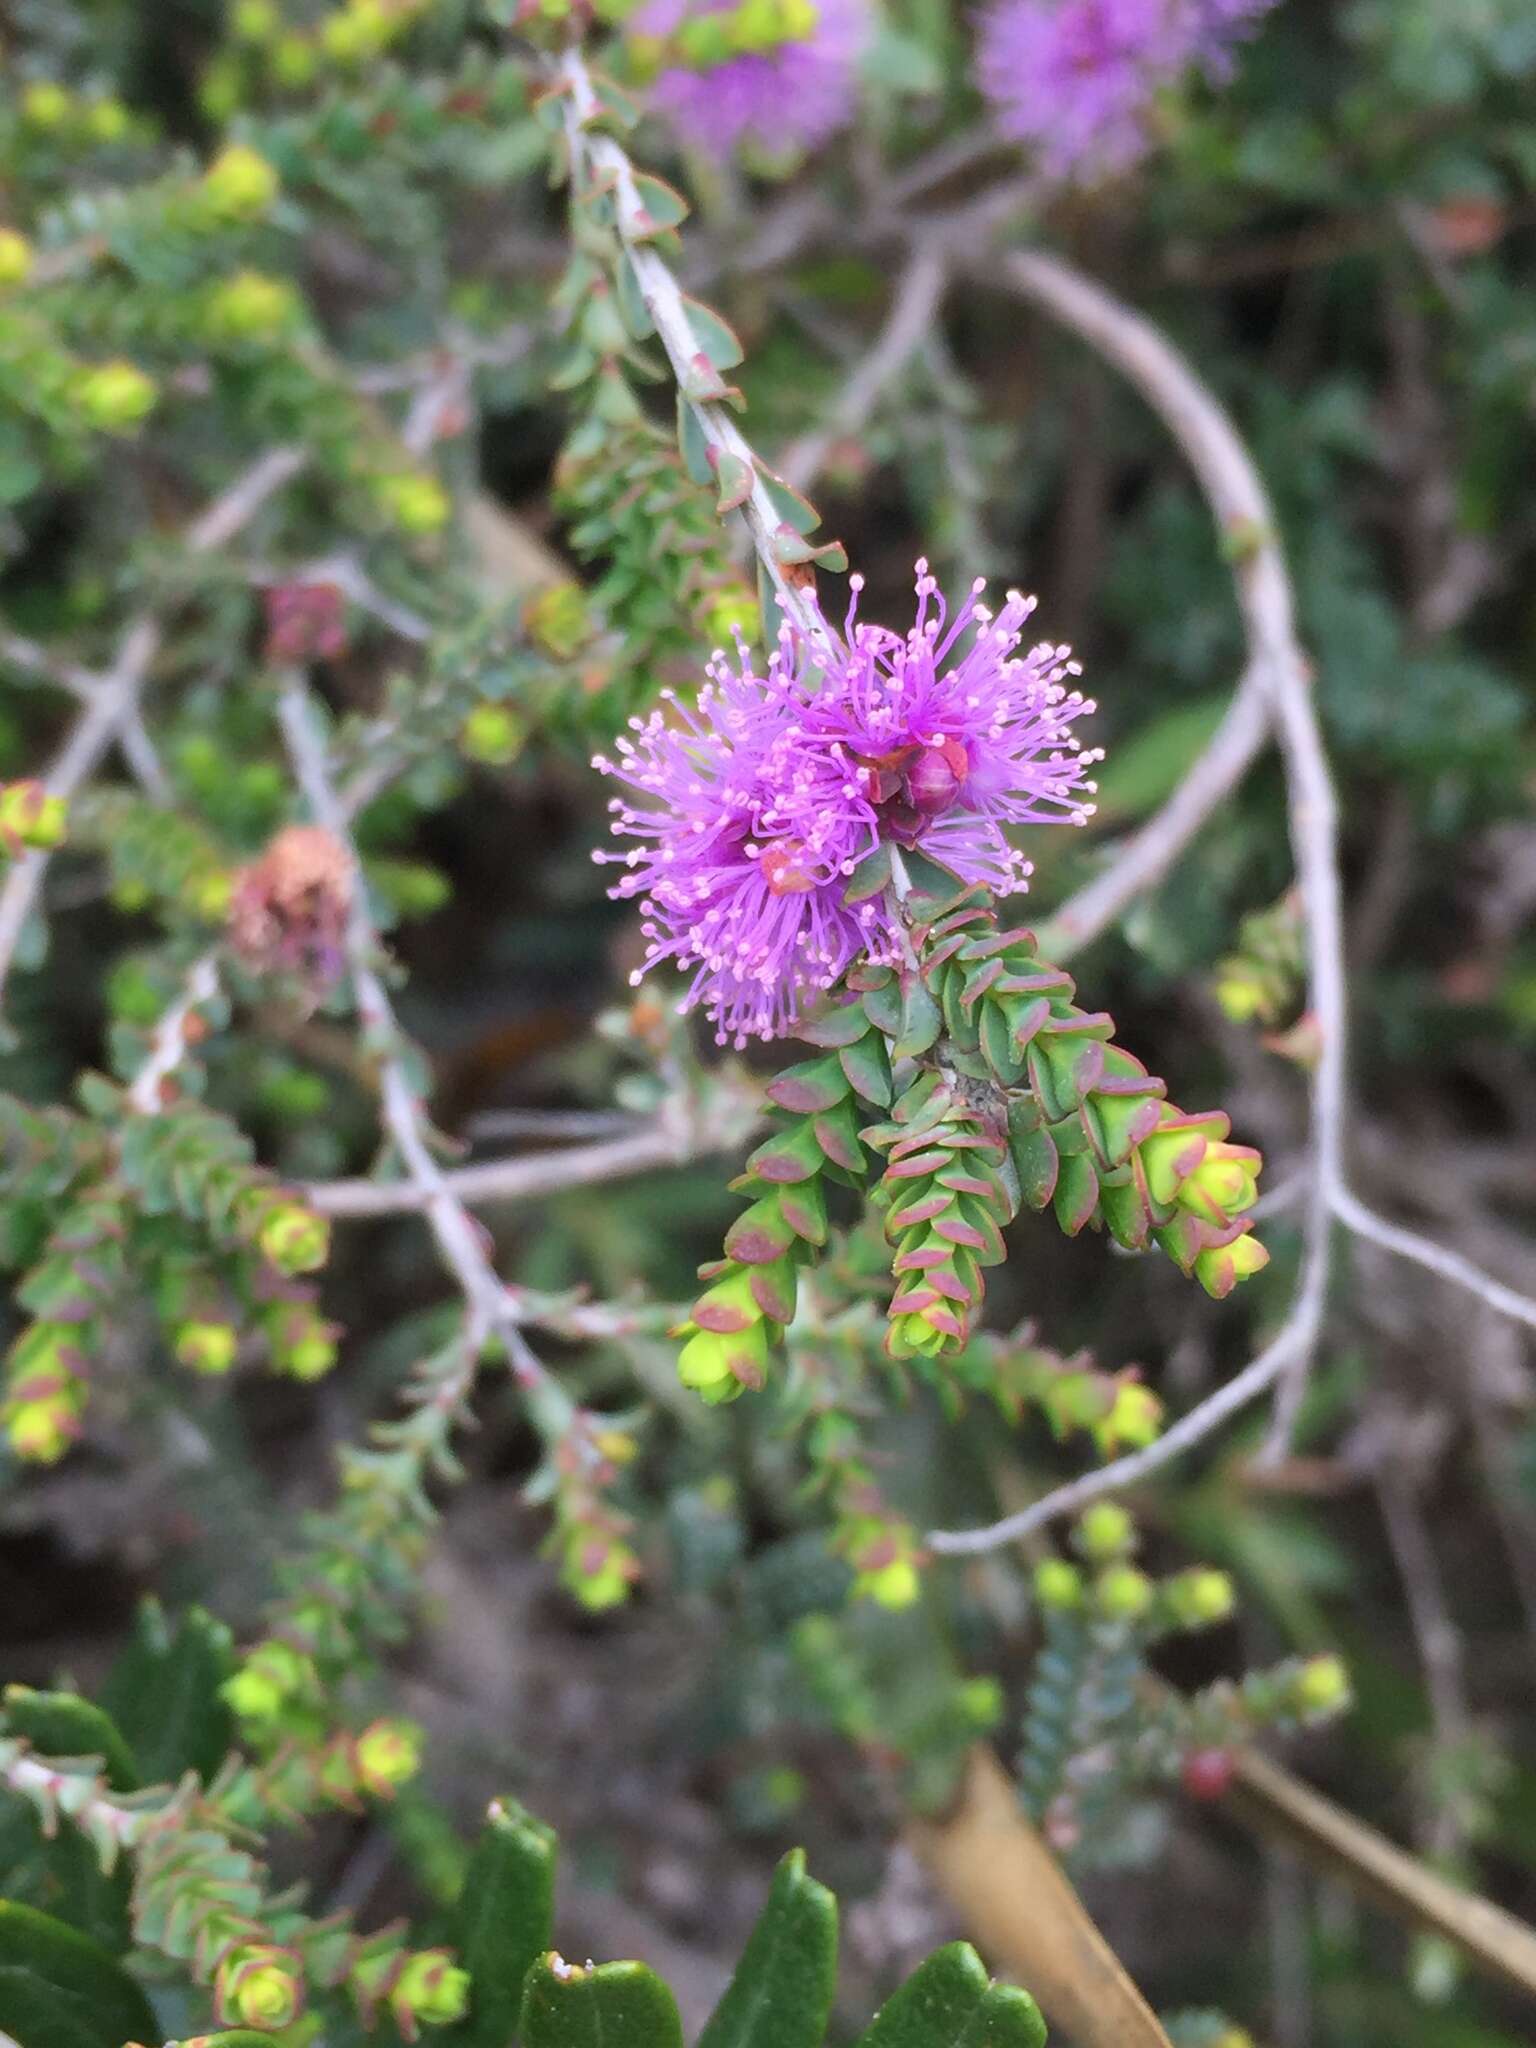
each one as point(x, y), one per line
point(1075, 78)
point(793, 94)
point(755, 807)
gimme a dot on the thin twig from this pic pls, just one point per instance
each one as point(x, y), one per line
point(1407, 1244)
point(1228, 1400)
point(1244, 520)
point(523, 1179)
point(170, 1041)
point(1143, 861)
point(598, 158)
point(913, 308)
point(490, 1308)
point(113, 701)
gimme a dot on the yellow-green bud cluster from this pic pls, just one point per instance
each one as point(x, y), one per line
point(885, 1554)
point(705, 41)
point(250, 306)
point(259, 1985)
point(415, 503)
point(29, 816)
point(115, 397)
point(596, 1566)
point(272, 1678)
point(44, 1393)
point(16, 257)
point(239, 185)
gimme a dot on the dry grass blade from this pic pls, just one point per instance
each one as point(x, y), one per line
point(1017, 1906)
point(1273, 1801)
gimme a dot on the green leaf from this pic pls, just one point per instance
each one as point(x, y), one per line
point(663, 202)
point(612, 2005)
point(781, 1992)
point(793, 510)
point(241, 2037)
point(921, 1021)
point(58, 1989)
point(631, 300)
point(163, 1692)
point(809, 1085)
point(735, 480)
point(62, 1874)
point(933, 887)
point(1150, 765)
point(868, 1067)
point(716, 338)
point(501, 1925)
point(870, 876)
point(693, 446)
point(948, 2002)
point(63, 1724)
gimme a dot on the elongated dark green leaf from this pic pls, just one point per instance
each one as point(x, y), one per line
point(63, 1724)
point(871, 876)
point(610, 2005)
point(501, 1925)
point(58, 1989)
point(782, 1989)
point(921, 1022)
point(949, 2002)
point(163, 1692)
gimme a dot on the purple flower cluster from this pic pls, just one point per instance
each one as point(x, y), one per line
point(791, 94)
point(755, 806)
point(1075, 79)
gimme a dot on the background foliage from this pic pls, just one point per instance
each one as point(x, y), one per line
point(305, 381)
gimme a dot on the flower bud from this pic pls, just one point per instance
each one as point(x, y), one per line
point(1320, 1687)
point(294, 1238)
point(207, 1347)
point(293, 60)
point(114, 397)
point(719, 1365)
point(493, 734)
point(1105, 1531)
point(251, 306)
point(239, 184)
point(269, 1677)
point(29, 816)
point(45, 106)
point(703, 42)
point(106, 121)
point(42, 1427)
point(430, 1990)
point(1134, 1419)
point(259, 1985)
point(387, 1755)
point(1199, 1598)
point(1058, 1585)
point(599, 1570)
point(1218, 1269)
point(981, 1702)
point(1206, 1773)
point(415, 504)
point(934, 778)
point(15, 257)
point(254, 21)
point(1122, 1593)
point(558, 619)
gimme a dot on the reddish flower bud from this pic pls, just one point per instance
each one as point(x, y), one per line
point(304, 623)
point(1207, 1773)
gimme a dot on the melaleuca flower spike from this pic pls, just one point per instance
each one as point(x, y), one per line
point(777, 74)
point(758, 805)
